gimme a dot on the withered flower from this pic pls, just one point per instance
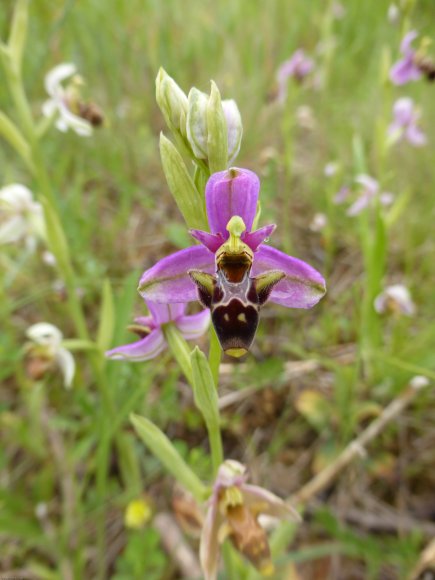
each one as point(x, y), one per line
point(233, 513)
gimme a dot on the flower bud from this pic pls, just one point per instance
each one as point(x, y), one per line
point(201, 132)
point(197, 122)
point(172, 101)
point(234, 128)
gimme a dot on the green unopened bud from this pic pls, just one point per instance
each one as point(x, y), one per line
point(217, 134)
point(214, 128)
point(172, 102)
point(196, 127)
point(234, 128)
point(162, 448)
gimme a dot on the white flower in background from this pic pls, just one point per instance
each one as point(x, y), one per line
point(48, 258)
point(338, 10)
point(393, 14)
point(331, 168)
point(64, 102)
point(21, 218)
point(47, 347)
point(395, 299)
point(305, 117)
point(419, 382)
point(319, 222)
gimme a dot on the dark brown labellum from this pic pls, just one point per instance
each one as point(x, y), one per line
point(234, 299)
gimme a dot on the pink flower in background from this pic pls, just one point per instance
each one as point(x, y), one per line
point(367, 194)
point(406, 69)
point(298, 66)
point(342, 194)
point(404, 125)
point(149, 328)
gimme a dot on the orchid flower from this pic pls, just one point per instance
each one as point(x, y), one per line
point(64, 102)
point(395, 299)
point(233, 512)
point(405, 126)
point(152, 341)
point(232, 272)
point(21, 218)
point(368, 193)
point(406, 69)
point(297, 66)
point(46, 352)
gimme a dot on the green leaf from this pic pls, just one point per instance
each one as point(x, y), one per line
point(56, 239)
point(107, 317)
point(217, 134)
point(77, 344)
point(162, 448)
point(204, 390)
point(188, 199)
point(206, 399)
point(196, 122)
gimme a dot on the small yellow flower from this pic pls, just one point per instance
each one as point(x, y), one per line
point(137, 514)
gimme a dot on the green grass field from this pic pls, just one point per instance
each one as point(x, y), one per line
point(70, 460)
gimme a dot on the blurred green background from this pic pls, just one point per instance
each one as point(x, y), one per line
point(120, 218)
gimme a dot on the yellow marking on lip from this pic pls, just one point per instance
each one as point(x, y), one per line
point(236, 352)
point(241, 317)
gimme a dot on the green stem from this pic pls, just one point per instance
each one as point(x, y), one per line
point(179, 348)
point(215, 355)
point(217, 454)
point(228, 556)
